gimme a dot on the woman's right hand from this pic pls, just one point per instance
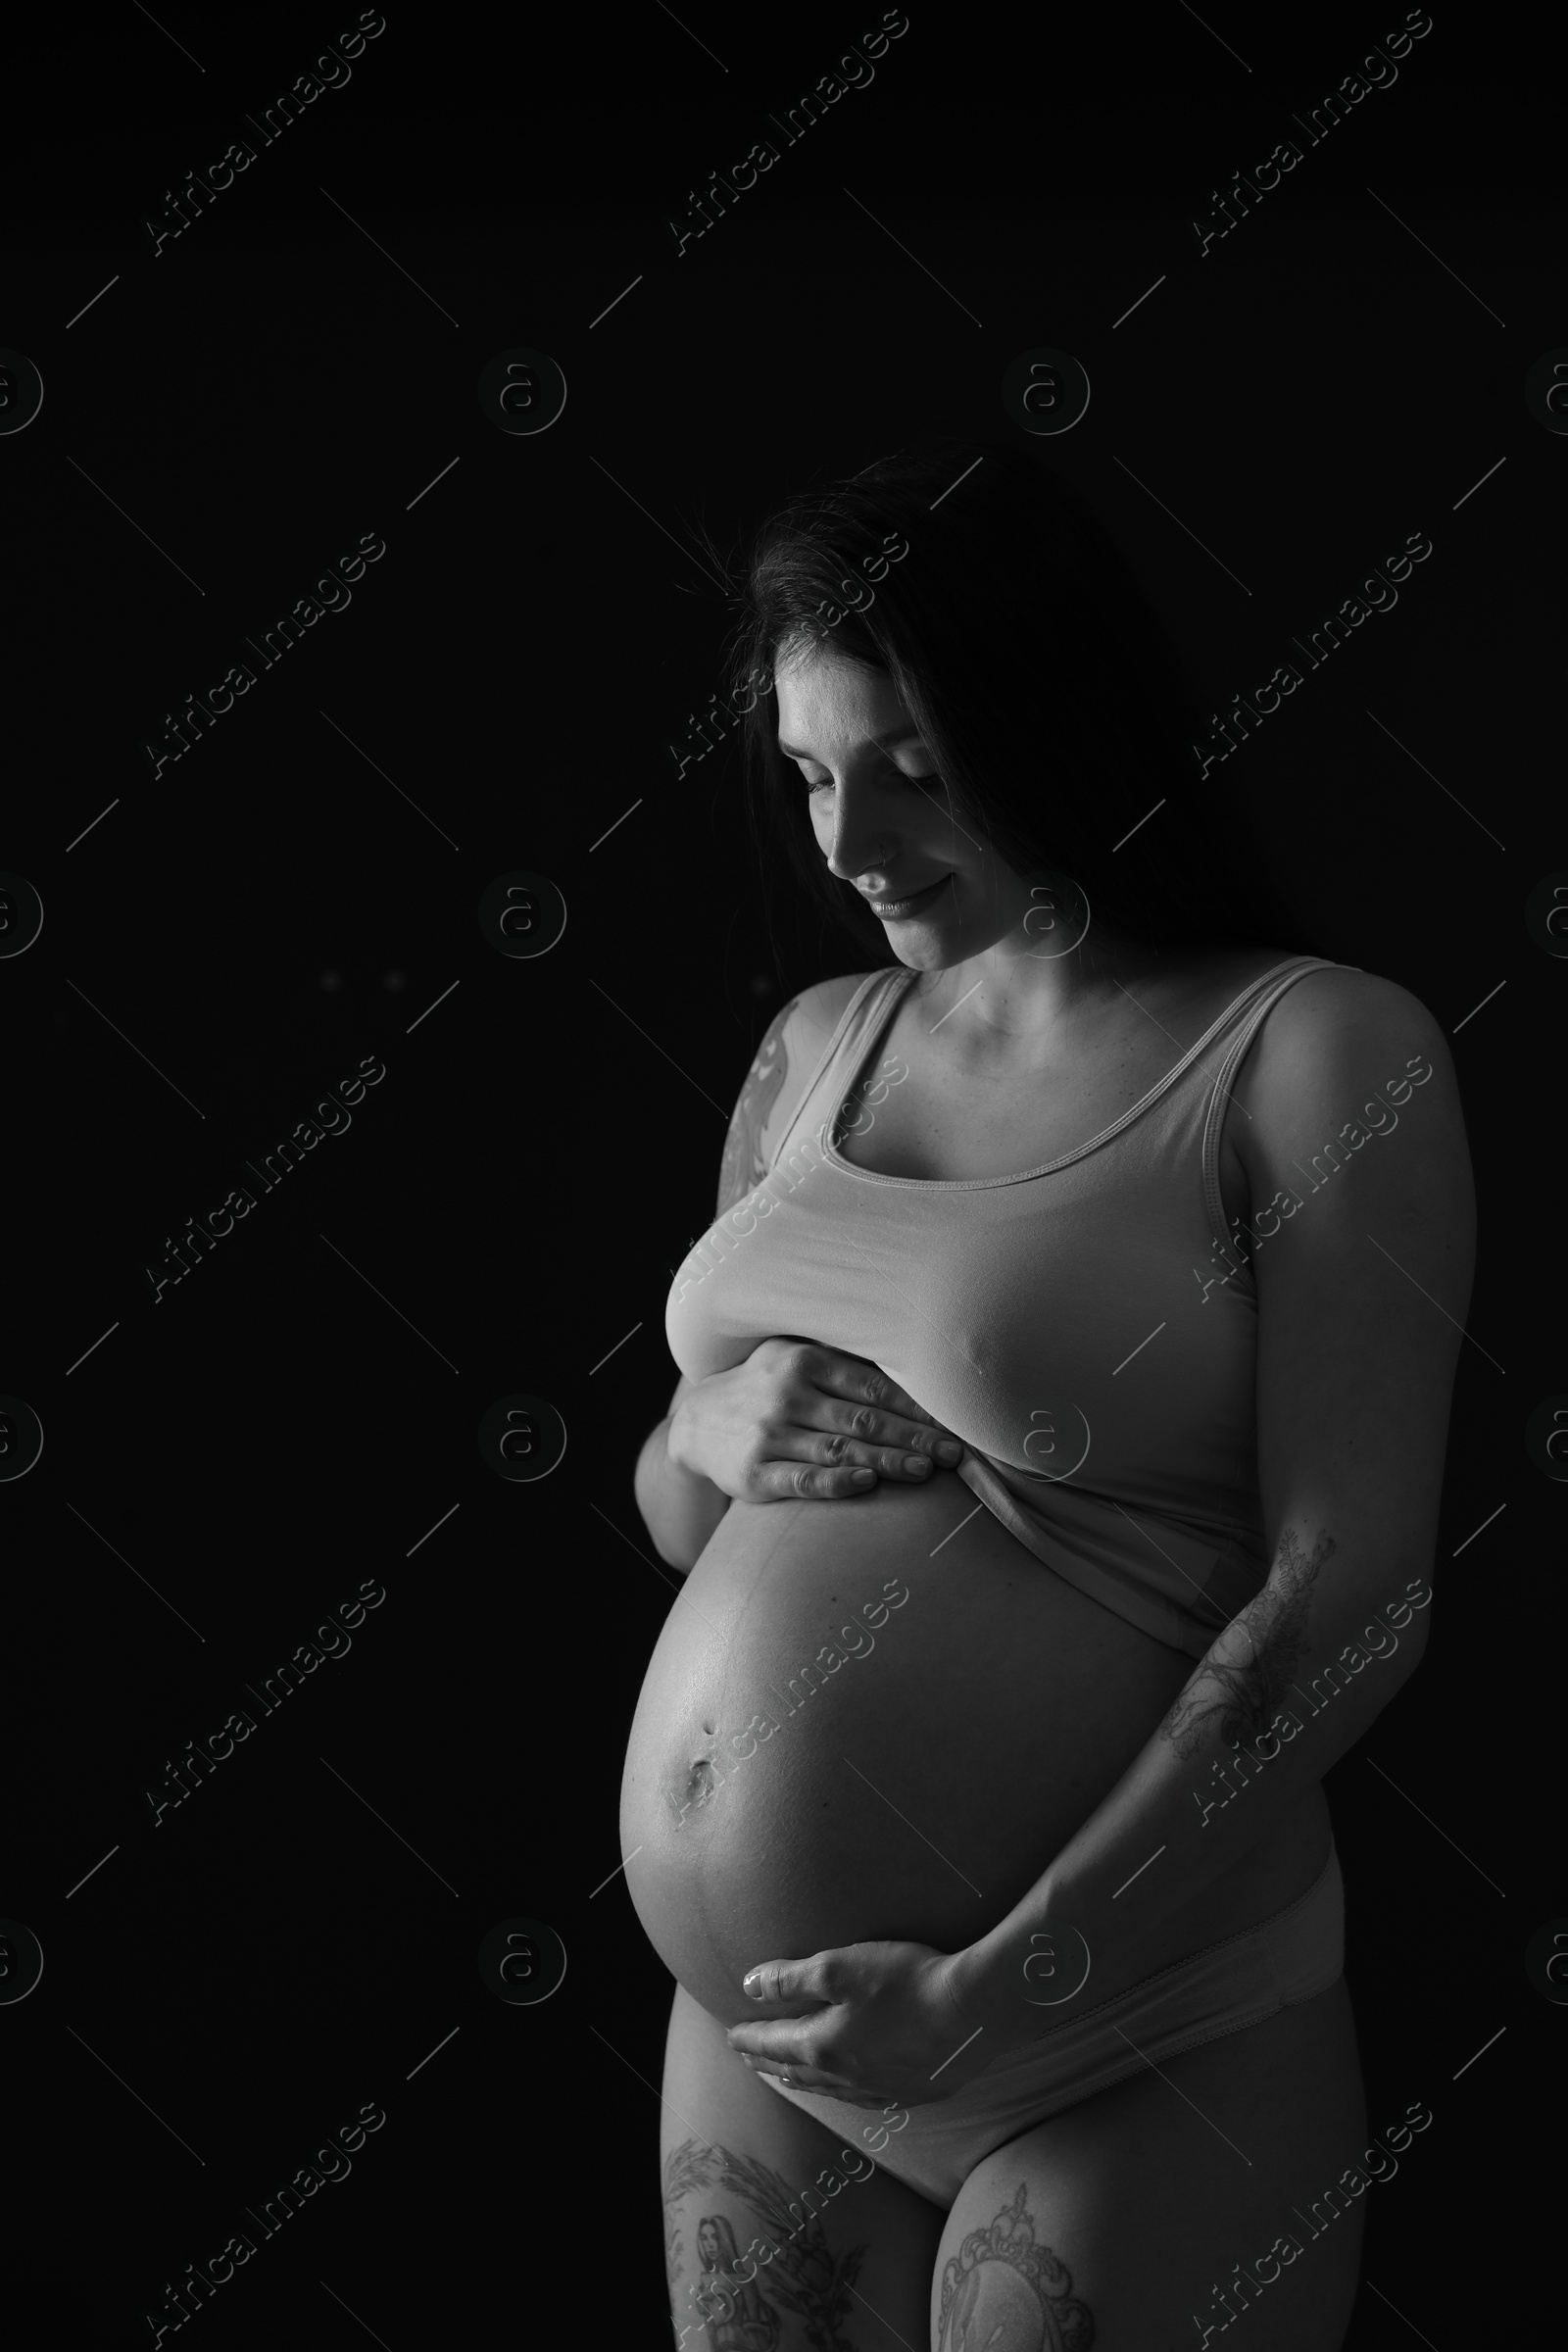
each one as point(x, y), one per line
point(798, 1421)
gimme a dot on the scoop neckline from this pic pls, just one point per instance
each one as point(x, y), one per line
point(904, 978)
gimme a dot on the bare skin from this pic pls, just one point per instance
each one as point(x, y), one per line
point(1134, 2199)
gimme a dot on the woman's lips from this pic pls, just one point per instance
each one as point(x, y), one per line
point(894, 910)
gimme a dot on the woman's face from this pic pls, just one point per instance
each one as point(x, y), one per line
point(883, 823)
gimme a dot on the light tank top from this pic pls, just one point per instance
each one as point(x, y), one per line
point(1088, 1328)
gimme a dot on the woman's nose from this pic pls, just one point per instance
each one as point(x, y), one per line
point(859, 845)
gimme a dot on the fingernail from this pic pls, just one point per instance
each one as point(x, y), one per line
point(752, 1985)
point(862, 1477)
point(917, 1464)
point(948, 1451)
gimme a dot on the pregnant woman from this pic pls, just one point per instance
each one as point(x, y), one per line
point(1055, 1465)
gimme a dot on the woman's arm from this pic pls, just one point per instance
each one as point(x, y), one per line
point(1363, 1263)
point(680, 1507)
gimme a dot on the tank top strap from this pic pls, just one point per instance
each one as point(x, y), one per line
point(1239, 1024)
point(860, 1017)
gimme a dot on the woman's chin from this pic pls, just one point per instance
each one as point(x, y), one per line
point(930, 947)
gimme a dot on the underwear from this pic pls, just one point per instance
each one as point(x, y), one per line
point(1290, 1957)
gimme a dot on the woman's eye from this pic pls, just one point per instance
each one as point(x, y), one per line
point(893, 774)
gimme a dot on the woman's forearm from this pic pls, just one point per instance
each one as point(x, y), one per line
point(1264, 1715)
point(680, 1507)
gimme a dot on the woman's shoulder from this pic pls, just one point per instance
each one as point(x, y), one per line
point(1334, 1007)
point(1312, 999)
point(820, 1008)
point(1336, 1037)
point(774, 1087)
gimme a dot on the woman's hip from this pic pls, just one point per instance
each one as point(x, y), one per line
point(1237, 1981)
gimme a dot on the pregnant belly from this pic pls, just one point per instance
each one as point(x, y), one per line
point(847, 1732)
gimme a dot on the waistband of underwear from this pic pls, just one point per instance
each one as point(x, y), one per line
point(1031, 2050)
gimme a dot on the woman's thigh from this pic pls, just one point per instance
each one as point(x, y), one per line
point(1118, 2223)
point(778, 2235)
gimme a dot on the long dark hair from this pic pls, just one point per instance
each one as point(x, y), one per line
point(1053, 702)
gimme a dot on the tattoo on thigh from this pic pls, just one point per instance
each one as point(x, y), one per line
point(1005, 2292)
point(788, 2267)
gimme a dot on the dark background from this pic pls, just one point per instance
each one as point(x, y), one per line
point(230, 939)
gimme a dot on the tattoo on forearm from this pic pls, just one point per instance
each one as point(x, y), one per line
point(1001, 2287)
point(743, 1167)
point(1240, 1684)
point(737, 2297)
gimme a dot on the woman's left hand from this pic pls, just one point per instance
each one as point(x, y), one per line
point(870, 2023)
